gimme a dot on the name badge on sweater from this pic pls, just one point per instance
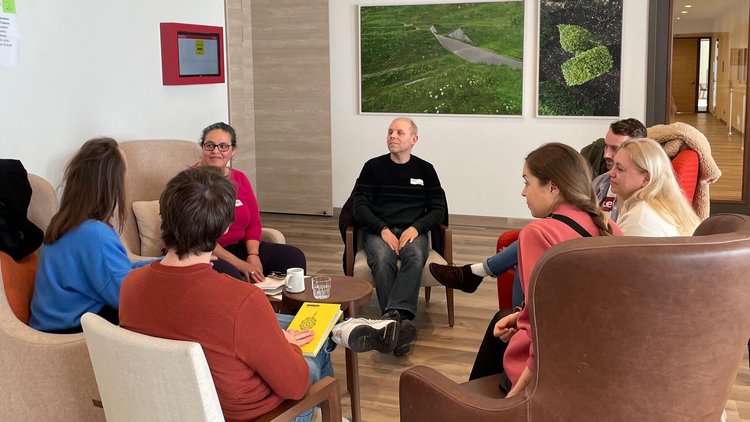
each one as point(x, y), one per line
point(419, 182)
point(237, 203)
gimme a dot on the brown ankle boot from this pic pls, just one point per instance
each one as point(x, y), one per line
point(460, 278)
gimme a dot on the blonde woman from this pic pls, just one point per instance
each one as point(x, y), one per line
point(650, 200)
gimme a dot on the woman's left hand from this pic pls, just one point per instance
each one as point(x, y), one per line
point(257, 269)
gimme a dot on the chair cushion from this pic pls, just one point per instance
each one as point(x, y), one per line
point(148, 221)
point(686, 165)
point(18, 282)
point(362, 270)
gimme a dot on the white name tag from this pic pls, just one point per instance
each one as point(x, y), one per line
point(419, 182)
point(238, 203)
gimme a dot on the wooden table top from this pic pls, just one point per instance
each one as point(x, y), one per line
point(345, 290)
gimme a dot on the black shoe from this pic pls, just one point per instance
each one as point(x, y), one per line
point(460, 278)
point(406, 336)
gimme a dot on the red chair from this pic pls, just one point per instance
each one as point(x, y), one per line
point(685, 166)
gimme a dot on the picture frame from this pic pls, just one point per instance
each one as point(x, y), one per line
point(579, 60)
point(457, 58)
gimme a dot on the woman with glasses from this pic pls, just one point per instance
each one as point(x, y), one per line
point(241, 246)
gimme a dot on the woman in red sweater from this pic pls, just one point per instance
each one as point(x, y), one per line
point(241, 247)
point(558, 191)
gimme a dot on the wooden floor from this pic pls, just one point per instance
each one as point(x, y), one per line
point(727, 151)
point(449, 350)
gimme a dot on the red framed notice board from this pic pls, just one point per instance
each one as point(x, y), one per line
point(191, 54)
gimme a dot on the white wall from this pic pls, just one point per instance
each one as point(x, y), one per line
point(90, 68)
point(478, 159)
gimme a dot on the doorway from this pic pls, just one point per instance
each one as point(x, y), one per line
point(708, 85)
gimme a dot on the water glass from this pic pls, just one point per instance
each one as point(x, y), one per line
point(321, 286)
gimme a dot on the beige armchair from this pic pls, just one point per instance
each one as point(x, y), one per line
point(43, 202)
point(148, 378)
point(151, 163)
point(355, 262)
point(656, 336)
point(45, 377)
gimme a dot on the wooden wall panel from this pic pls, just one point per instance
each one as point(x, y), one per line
point(291, 76)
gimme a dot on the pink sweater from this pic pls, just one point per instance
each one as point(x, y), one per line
point(246, 225)
point(533, 241)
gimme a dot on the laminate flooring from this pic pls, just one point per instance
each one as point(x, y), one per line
point(449, 350)
point(727, 150)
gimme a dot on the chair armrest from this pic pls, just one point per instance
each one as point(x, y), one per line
point(133, 257)
point(349, 246)
point(427, 395)
point(447, 235)
point(272, 236)
point(326, 392)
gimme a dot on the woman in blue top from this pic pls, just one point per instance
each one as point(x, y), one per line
point(83, 262)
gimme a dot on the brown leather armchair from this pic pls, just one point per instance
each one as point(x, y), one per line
point(624, 329)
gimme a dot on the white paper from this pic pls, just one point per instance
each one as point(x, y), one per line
point(9, 38)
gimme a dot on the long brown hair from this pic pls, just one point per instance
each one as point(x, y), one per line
point(93, 188)
point(570, 172)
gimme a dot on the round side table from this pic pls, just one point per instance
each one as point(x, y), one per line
point(351, 293)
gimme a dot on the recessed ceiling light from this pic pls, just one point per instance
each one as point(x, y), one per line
point(684, 12)
point(688, 5)
point(678, 18)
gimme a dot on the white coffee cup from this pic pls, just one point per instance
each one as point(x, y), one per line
point(295, 280)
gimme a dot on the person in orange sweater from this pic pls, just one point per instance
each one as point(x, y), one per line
point(255, 365)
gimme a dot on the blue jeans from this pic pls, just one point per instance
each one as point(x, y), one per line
point(320, 365)
point(397, 288)
point(502, 262)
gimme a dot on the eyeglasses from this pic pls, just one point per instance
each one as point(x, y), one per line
point(222, 147)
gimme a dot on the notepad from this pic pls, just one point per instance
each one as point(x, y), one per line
point(319, 317)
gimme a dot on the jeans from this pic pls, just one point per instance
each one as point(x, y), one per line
point(320, 365)
point(502, 262)
point(397, 288)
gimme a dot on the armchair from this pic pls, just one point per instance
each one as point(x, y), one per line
point(149, 378)
point(148, 174)
point(647, 342)
point(46, 377)
point(355, 261)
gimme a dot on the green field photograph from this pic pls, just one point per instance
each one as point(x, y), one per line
point(579, 57)
point(453, 58)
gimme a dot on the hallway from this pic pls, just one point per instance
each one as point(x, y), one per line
point(727, 151)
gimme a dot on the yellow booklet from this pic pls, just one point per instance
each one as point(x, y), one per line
point(319, 317)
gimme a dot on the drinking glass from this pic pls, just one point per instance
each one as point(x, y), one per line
point(321, 286)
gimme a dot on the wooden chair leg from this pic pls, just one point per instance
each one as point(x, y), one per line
point(427, 291)
point(449, 300)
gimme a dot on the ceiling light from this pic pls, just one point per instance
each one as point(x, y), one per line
point(684, 12)
point(688, 5)
point(678, 18)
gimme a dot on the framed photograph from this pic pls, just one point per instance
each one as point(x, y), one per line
point(448, 58)
point(579, 58)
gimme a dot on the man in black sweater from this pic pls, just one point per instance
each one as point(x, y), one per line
point(397, 201)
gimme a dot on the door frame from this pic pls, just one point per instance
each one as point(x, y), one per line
point(658, 91)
